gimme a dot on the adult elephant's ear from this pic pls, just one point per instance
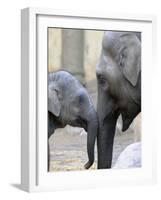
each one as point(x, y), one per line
point(132, 62)
point(54, 105)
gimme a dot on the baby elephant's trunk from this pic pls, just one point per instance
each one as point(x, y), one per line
point(92, 129)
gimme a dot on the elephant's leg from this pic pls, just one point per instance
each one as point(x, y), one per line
point(105, 141)
point(51, 128)
point(48, 156)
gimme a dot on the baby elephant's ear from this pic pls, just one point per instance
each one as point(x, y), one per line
point(132, 65)
point(54, 105)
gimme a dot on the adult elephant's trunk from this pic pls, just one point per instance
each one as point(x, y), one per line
point(107, 115)
point(92, 129)
point(105, 141)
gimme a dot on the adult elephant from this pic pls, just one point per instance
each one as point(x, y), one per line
point(119, 88)
point(69, 103)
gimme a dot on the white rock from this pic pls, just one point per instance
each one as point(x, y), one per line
point(130, 157)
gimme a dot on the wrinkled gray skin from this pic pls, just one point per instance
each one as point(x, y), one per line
point(119, 88)
point(69, 103)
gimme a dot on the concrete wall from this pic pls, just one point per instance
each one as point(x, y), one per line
point(92, 50)
point(58, 51)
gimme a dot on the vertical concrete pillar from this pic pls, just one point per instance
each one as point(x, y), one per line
point(54, 49)
point(73, 52)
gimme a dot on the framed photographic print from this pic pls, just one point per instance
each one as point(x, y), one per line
point(85, 102)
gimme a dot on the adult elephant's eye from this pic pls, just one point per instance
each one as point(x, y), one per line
point(101, 80)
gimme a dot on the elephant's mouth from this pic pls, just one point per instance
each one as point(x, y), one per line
point(128, 116)
point(79, 122)
point(126, 123)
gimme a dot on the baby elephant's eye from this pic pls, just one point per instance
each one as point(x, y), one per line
point(80, 98)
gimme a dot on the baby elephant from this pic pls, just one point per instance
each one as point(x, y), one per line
point(69, 103)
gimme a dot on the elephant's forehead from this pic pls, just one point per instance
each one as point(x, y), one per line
point(61, 75)
point(113, 35)
point(111, 42)
point(68, 86)
point(111, 38)
point(117, 37)
point(62, 78)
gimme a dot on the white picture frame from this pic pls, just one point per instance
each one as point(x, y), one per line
point(34, 175)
